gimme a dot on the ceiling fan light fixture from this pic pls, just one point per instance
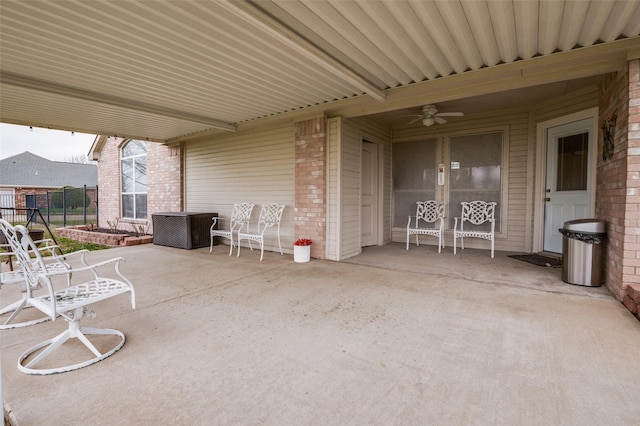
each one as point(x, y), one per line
point(428, 121)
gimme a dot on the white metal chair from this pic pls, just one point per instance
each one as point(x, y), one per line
point(427, 213)
point(476, 213)
point(270, 216)
point(70, 302)
point(240, 217)
point(55, 260)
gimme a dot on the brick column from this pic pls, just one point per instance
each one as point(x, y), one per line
point(631, 263)
point(618, 179)
point(310, 184)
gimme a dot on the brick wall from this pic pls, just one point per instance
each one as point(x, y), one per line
point(310, 184)
point(631, 269)
point(20, 193)
point(164, 182)
point(618, 179)
point(164, 179)
point(611, 179)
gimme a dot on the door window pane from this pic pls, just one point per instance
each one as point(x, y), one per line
point(572, 162)
point(475, 173)
point(414, 177)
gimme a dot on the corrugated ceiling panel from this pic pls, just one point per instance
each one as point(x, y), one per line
point(550, 21)
point(618, 19)
point(356, 39)
point(572, 21)
point(503, 23)
point(479, 19)
point(427, 55)
point(384, 31)
point(440, 33)
point(253, 74)
point(89, 117)
point(454, 15)
point(526, 18)
point(236, 61)
point(595, 21)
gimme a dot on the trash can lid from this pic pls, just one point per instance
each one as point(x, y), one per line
point(585, 225)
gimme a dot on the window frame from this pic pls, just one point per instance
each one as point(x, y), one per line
point(135, 193)
point(442, 192)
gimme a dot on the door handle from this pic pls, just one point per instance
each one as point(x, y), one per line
point(548, 190)
point(547, 199)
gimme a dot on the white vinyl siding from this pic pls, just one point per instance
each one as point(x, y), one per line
point(344, 153)
point(253, 167)
point(334, 212)
point(373, 131)
point(520, 165)
point(350, 189)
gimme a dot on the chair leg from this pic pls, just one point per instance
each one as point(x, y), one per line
point(261, 250)
point(231, 244)
point(74, 331)
point(408, 241)
point(16, 307)
point(279, 245)
point(492, 248)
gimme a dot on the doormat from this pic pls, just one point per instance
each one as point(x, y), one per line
point(539, 259)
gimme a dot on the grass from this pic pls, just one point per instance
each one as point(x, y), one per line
point(69, 246)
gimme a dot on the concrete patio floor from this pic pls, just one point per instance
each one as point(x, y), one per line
point(390, 337)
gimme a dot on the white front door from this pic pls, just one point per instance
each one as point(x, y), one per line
point(570, 150)
point(369, 194)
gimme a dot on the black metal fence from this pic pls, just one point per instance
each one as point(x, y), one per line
point(64, 207)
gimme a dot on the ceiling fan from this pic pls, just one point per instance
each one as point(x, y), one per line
point(430, 115)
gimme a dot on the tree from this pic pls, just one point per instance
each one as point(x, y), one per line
point(78, 159)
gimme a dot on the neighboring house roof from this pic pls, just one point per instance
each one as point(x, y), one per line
point(169, 71)
point(28, 170)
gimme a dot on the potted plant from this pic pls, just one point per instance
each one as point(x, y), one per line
point(302, 250)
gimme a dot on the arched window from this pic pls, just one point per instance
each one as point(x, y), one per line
point(133, 162)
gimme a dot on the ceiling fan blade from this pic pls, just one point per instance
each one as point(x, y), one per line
point(450, 114)
point(439, 120)
point(414, 120)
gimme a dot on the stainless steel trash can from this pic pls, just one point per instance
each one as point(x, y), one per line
point(582, 249)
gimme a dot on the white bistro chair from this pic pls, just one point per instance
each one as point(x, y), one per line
point(270, 217)
point(240, 217)
point(429, 220)
point(476, 213)
point(55, 260)
point(70, 303)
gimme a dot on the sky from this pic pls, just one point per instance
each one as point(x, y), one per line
point(55, 145)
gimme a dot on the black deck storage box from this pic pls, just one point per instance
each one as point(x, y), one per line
point(182, 229)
